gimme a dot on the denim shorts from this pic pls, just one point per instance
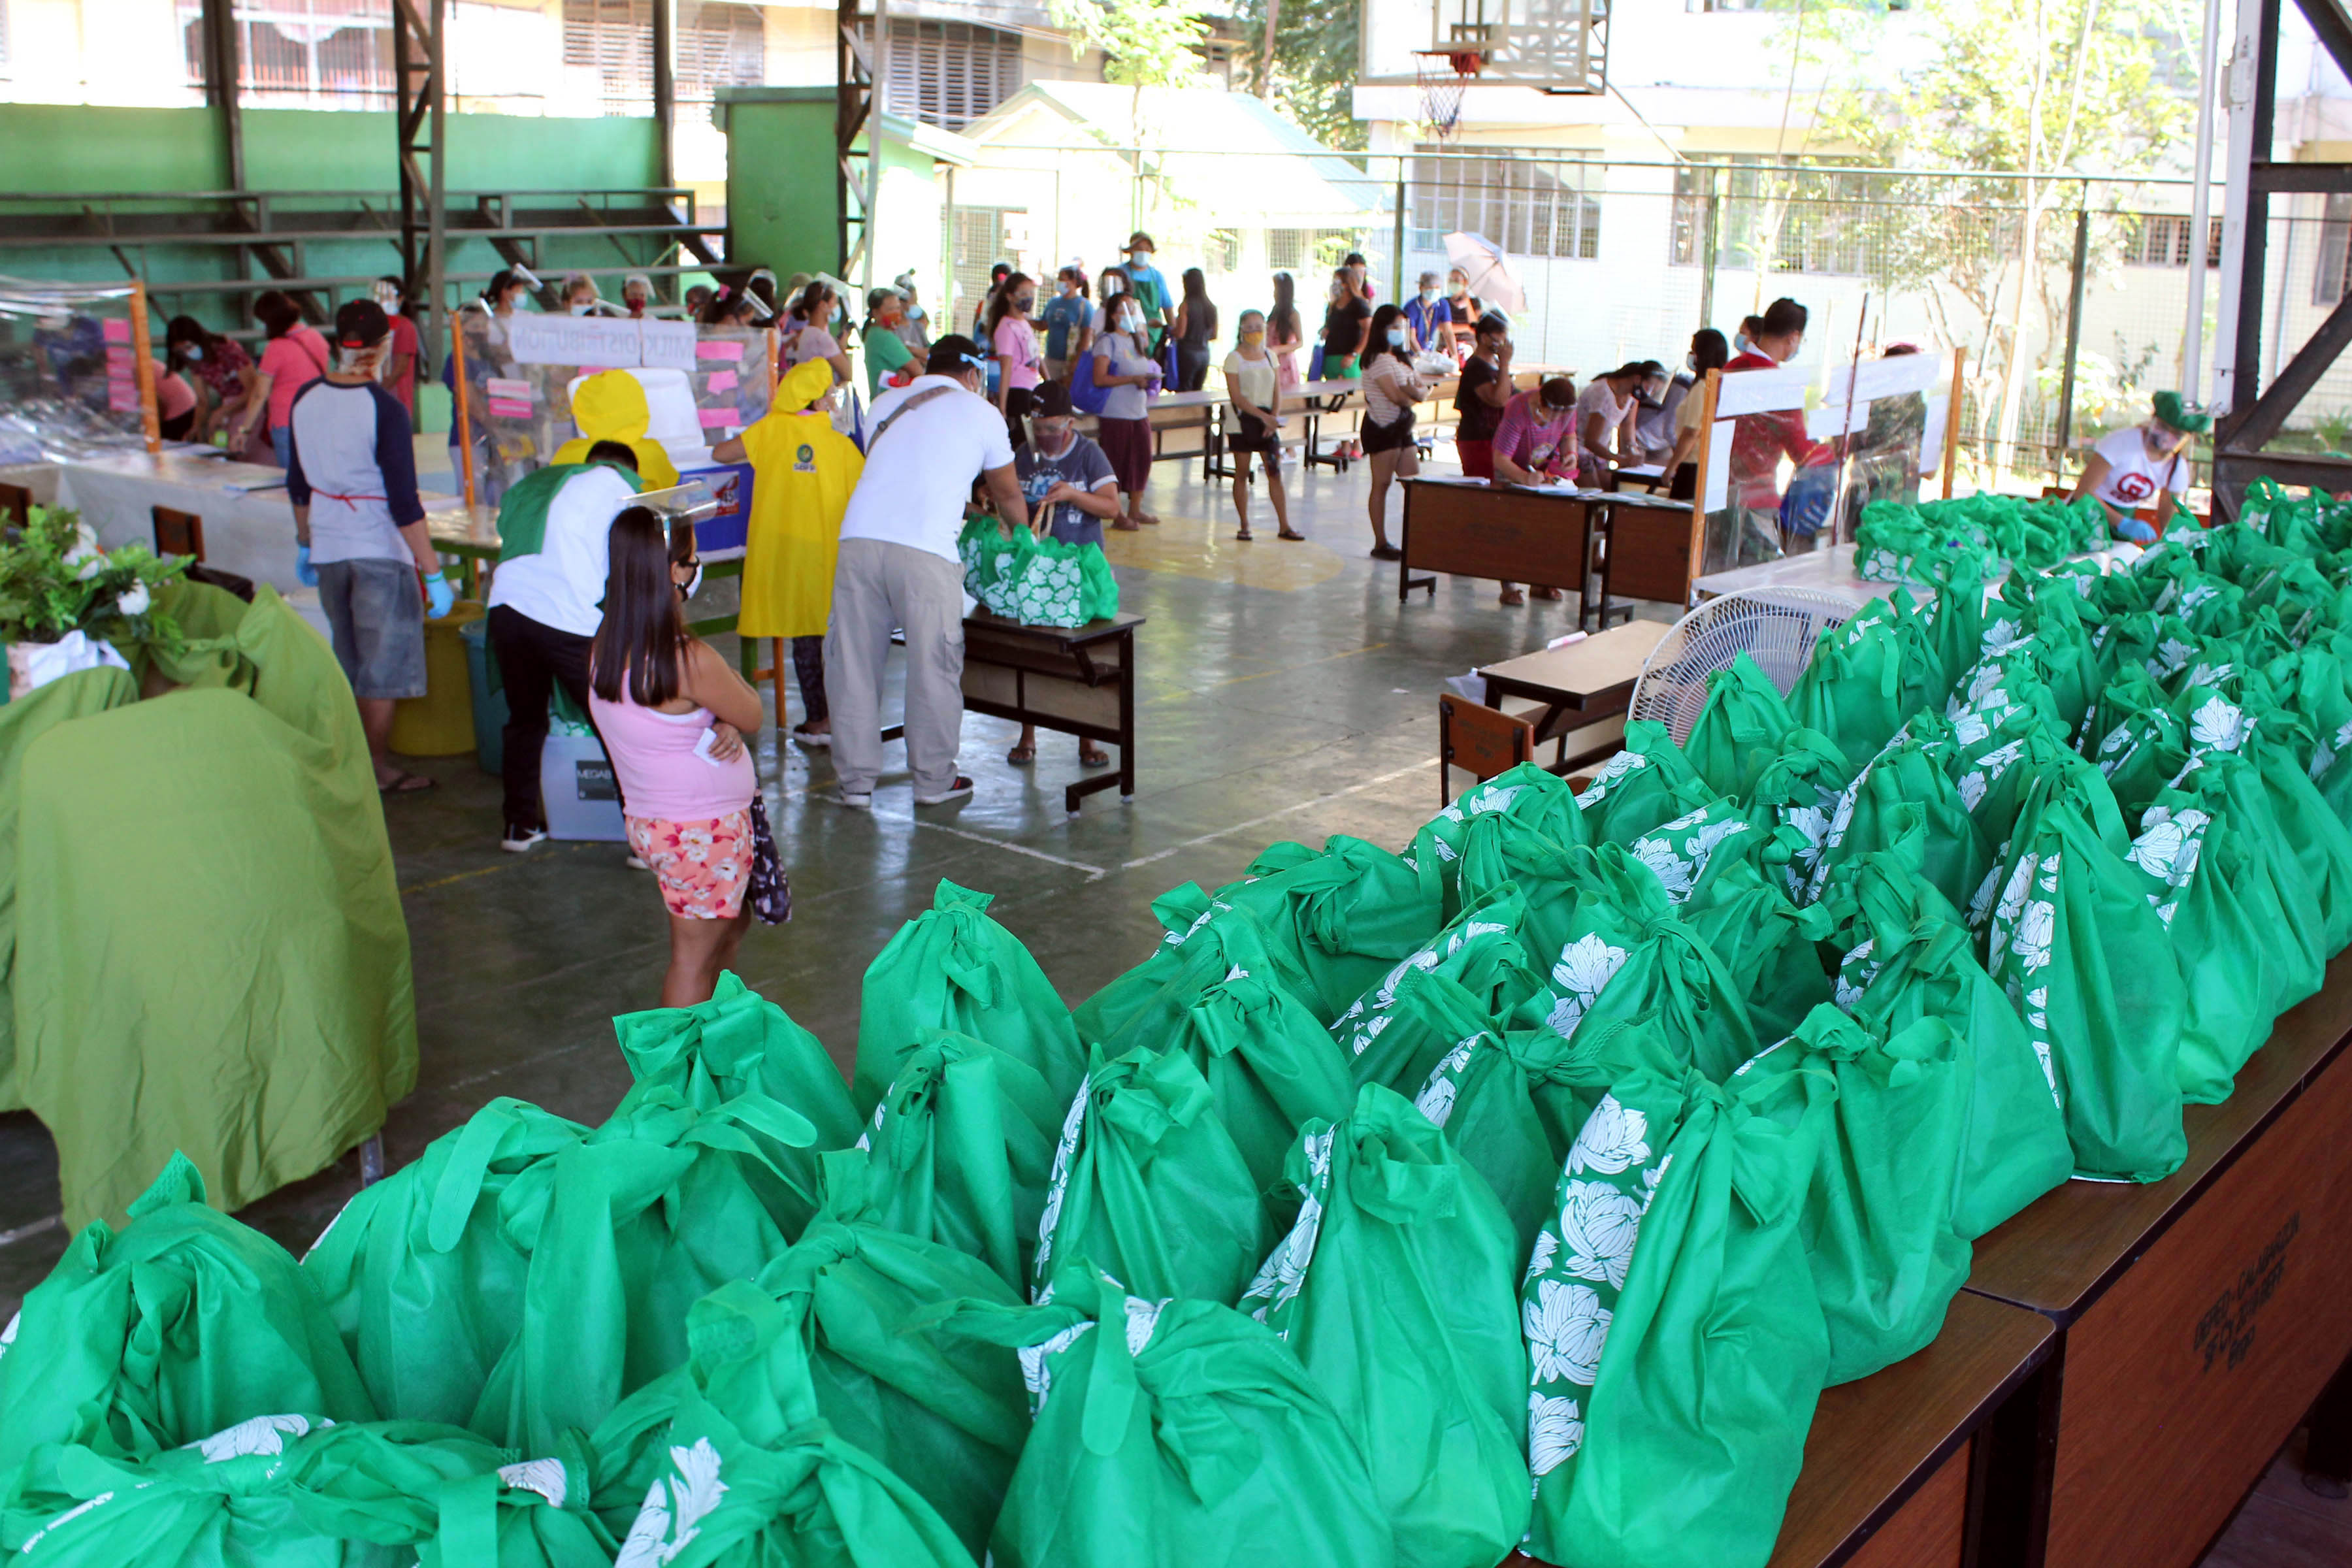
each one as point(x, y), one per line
point(377, 613)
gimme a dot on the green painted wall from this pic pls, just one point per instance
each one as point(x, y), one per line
point(70, 148)
point(783, 205)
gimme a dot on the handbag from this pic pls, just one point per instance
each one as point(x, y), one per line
point(771, 891)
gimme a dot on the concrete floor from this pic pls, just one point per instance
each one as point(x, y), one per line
point(1284, 693)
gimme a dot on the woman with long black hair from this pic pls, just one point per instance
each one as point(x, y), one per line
point(1021, 365)
point(1390, 390)
point(1196, 323)
point(1283, 338)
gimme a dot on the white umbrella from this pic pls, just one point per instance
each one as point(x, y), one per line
point(1489, 271)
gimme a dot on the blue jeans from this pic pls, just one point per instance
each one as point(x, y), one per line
point(282, 441)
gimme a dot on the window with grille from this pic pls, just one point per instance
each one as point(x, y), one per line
point(2165, 240)
point(717, 45)
point(1779, 215)
point(1289, 249)
point(947, 74)
point(1527, 207)
point(2334, 273)
point(977, 239)
point(1221, 253)
point(325, 53)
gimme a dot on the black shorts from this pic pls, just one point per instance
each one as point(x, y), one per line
point(1386, 438)
point(1247, 434)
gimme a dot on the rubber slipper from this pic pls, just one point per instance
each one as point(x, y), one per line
point(1292, 534)
point(405, 784)
point(1513, 597)
point(1094, 759)
point(1021, 756)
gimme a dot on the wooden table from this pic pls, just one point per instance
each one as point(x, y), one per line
point(1581, 686)
point(1891, 1460)
point(1078, 681)
point(1601, 544)
point(2198, 1318)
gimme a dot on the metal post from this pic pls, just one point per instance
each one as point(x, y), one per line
point(852, 99)
point(142, 350)
point(1714, 243)
point(2245, 363)
point(221, 69)
point(420, 119)
point(2192, 352)
point(665, 42)
point(2074, 333)
point(2235, 181)
point(877, 99)
point(1396, 264)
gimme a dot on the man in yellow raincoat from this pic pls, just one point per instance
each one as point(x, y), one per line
point(803, 471)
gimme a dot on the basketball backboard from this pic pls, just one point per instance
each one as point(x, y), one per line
point(1553, 45)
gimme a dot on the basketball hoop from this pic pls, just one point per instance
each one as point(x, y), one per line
point(1443, 76)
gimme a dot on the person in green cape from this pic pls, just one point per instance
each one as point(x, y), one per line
point(2143, 465)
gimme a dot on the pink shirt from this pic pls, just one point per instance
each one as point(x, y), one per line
point(661, 777)
point(293, 361)
point(1016, 349)
point(1538, 445)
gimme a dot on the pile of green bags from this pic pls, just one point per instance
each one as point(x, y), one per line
point(1037, 581)
point(1374, 1218)
point(1936, 541)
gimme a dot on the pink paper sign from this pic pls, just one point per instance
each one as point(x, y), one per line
point(731, 353)
point(513, 390)
point(121, 394)
point(119, 362)
point(716, 418)
point(723, 380)
point(114, 329)
point(508, 408)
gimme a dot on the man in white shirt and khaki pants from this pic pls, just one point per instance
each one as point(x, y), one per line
point(898, 568)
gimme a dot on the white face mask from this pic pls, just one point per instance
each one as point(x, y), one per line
point(1396, 336)
point(1131, 321)
point(1429, 296)
point(1140, 258)
point(194, 353)
point(582, 310)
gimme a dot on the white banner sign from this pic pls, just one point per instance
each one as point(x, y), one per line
point(1888, 377)
point(669, 345)
point(602, 341)
point(1762, 391)
point(1719, 462)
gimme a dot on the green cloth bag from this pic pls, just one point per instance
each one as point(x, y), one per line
point(1648, 783)
point(1676, 1344)
point(1526, 805)
point(626, 1229)
point(2222, 915)
point(948, 1416)
point(737, 1466)
point(1173, 1433)
point(2086, 964)
point(1910, 960)
point(1739, 730)
point(1852, 692)
point(182, 1325)
point(1904, 792)
point(738, 1042)
point(1207, 940)
point(1389, 1037)
point(424, 1280)
point(1146, 1182)
point(961, 1148)
point(1397, 1288)
point(1795, 797)
point(1341, 917)
point(1270, 1068)
point(952, 967)
point(1039, 582)
point(1512, 1101)
point(1877, 1220)
point(294, 1491)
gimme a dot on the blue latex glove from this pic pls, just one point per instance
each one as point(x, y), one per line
point(439, 597)
point(304, 572)
point(2133, 529)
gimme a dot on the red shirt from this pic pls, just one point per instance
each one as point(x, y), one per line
point(1759, 440)
point(403, 385)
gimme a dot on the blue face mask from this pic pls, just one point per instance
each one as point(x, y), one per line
point(1396, 336)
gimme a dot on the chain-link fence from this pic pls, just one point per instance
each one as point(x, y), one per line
point(1622, 260)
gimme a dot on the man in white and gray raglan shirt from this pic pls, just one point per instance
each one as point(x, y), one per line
point(899, 567)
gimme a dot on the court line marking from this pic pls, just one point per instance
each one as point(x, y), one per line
point(1158, 854)
point(1094, 873)
point(1287, 669)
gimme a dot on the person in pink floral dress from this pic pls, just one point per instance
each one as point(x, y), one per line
point(678, 724)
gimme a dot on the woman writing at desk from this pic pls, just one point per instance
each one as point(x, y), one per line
point(1536, 445)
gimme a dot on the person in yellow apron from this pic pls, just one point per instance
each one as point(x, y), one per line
point(802, 471)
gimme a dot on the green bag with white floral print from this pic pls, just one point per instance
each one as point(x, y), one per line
point(1039, 582)
point(422, 1278)
point(1676, 1341)
point(1905, 792)
point(1528, 797)
point(1853, 690)
point(1511, 1101)
point(1146, 1182)
point(1340, 916)
point(736, 1465)
point(1398, 1289)
point(1170, 1434)
point(952, 967)
point(1648, 783)
point(2139, 743)
point(1739, 730)
point(739, 1042)
point(1877, 1223)
point(961, 1149)
point(1206, 939)
point(1387, 1037)
point(180, 1325)
point(1794, 799)
point(2086, 961)
point(2320, 839)
point(1956, 627)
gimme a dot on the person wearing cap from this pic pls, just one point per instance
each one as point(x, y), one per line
point(802, 473)
point(1070, 489)
point(899, 567)
point(637, 295)
point(2145, 464)
point(1144, 281)
point(358, 529)
point(887, 353)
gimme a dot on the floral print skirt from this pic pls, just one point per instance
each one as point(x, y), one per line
point(704, 867)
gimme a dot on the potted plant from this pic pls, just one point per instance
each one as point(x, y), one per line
point(65, 602)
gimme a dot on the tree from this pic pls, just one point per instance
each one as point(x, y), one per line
point(1313, 80)
point(2008, 89)
point(1146, 43)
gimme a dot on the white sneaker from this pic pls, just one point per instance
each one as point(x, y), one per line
point(956, 791)
point(521, 837)
point(855, 800)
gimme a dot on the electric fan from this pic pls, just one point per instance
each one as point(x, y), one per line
point(1777, 627)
